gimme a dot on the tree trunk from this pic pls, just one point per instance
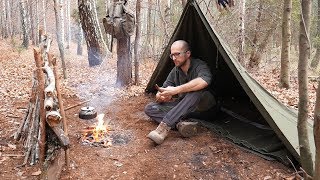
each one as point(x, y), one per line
point(124, 67)
point(304, 53)
point(95, 46)
point(9, 19)
point(316, 133)
point(58, 9)
point(24, 22)
point(242, 32)
point(68, 37)
point(44, 16)
point(79, 40)
point(37, 29)
point(286, 41)
point(255, 59)
point(136, 43)
point(252, 60)
point(164, 17)
point(32, 24)
point(4, 22)
point(315, 61)
point(184, 2)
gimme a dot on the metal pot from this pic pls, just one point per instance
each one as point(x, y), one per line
point(87, 113)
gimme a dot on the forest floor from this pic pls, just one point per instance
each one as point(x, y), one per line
point(131, 155)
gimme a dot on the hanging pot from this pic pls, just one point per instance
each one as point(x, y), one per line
point(87, 113)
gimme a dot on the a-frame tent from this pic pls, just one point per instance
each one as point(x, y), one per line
point(238, 91)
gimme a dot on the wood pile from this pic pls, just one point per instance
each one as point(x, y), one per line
point(44, 130)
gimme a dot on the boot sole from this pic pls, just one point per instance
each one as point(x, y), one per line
point(188, 129)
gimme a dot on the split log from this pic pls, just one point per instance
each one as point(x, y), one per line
point(40, 92)
point(54, 119)
point(48, 103)
point(49, 90)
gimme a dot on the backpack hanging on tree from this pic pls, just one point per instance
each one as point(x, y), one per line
point(119, 21)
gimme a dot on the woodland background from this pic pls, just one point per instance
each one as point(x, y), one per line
point(260, 33)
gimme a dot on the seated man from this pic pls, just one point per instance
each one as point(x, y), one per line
point(188, 80)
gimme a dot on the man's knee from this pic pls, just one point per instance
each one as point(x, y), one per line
point(150, 108)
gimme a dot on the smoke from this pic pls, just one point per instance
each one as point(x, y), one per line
point(98, 86)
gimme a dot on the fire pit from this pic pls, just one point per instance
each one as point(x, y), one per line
point(97, 135)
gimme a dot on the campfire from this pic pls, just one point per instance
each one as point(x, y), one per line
point(97, 135)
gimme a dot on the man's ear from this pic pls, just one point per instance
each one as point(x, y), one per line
point(189, 53)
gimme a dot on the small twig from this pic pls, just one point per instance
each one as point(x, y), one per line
point(75, 105)
point(12, 155)
point(12, 116)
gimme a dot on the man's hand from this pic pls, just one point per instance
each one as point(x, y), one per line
point(169, 91)
point(162, 98)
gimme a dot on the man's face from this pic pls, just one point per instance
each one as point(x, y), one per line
point(179, 55)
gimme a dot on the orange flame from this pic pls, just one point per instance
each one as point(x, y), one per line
point(100, 130)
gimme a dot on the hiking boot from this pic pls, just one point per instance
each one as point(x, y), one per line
point(158, 135)
point(188, 129)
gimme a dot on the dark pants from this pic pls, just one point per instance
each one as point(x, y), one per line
point(172, 112)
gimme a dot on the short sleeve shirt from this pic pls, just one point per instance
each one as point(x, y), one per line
point(198, 68)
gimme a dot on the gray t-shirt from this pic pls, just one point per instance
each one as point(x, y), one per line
point(198, 68)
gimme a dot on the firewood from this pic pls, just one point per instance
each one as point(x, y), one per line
point(40, 92)
point(25, 121)
point(64, 140)
point(48, 103)
point(49, 90)
point(53, 118)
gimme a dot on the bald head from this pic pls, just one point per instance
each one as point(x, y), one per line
point(180, 44)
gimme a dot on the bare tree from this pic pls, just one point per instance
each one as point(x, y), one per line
point(286, 40)
point(316, 133)
point(316, 58)
point(68, 34)
point(58, 9)
point(95, 45)
point(242, 32)
point(44, 15)
point(304, 53)
point(24, 22)
point(136, 43)
point(8, 15)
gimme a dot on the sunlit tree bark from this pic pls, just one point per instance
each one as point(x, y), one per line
point(137, 41)
point(44, 15)
point(24, 22)
point(68, 34)
point(316, 133)
point(286, 40)
point(242, 32)
point(89, 23)
point(316, 58)
point(304, 53)
point(58, 9)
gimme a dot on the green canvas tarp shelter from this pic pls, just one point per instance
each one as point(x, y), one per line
point(241, 97)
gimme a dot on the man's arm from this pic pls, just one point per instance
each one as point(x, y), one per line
point(193, 85)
